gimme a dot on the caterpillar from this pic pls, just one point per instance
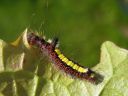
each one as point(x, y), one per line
point(62, 62)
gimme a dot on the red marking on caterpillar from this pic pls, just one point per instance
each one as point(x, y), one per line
point(49, 50)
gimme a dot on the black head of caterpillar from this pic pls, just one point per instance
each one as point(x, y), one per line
point(62, 62)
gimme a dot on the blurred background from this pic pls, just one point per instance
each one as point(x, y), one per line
point(82, 26)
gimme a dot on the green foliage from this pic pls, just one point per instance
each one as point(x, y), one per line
point(81, 26)
point(24, 72)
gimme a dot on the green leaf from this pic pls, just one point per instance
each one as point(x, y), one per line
point(24, 71)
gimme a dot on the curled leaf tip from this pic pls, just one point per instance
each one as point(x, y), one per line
point(25, 41)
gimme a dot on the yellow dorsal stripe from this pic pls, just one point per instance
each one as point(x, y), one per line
point(75, 67)
point(70, 63)
point(82, 69)
point(57, 51)
point(65, 60)
point(61, 56)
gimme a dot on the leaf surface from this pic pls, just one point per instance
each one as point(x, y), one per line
point(24, 71)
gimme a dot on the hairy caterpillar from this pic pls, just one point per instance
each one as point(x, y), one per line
point(63, 63)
